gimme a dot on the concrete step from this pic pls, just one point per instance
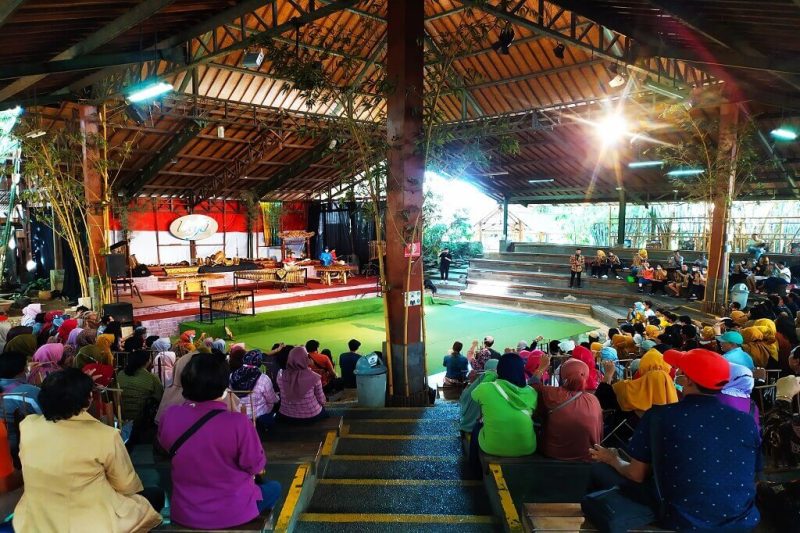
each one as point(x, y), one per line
point(400, 445)
point(519, 266)
point(402, 427)
point(386, 467)
point(327, 523)
point(441, 410)
point(412, 497)
point(559, 288)
point(533, 277)
point(529, 303)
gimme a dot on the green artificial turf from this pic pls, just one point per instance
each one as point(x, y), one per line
point(334, 324)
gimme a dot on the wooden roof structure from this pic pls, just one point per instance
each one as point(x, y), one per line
point(54, 54)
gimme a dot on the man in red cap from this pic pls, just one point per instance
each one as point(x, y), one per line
point(690, 466)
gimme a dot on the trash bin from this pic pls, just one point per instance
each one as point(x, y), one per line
point(739, 294)
point(371, 381)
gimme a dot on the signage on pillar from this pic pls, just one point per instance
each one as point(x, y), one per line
point(413, 249)
point(413, 298)
point(193, 227)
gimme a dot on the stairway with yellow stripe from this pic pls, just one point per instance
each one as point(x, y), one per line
point(398, 469)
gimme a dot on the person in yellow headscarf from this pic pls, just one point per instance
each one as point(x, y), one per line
point(755, 346)
point(638, 258)
point(624, 344)
point(652, 332)
point(739, 318)
point(600, 265)
point(769, 330)
point(104, 343)
point(654, 386)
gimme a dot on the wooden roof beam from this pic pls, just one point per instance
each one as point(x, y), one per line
point(296, 167)
point(7, 9)
point(137, 14)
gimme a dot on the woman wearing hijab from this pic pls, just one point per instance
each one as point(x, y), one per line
point(65, 329)
point(46, 360)
point(5, 327)
point(29, 313)
point(755, 346)
point(532, 364)
point(610, 354)
point(141, 390)
point(654, 386)
point(164, 361)
point(583, 354)
point(469, 408)
point(736, 393)
point(87, 337)
point(507, 405)
point(104, 343)
point(187, 340)
point(72, 338)
point(236, 357)
point(219, 345)
point(572, 418)
point(90, 360)
point(255, 390)
point(302, 399)
point(25, 343)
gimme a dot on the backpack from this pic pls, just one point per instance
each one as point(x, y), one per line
point(781, 436)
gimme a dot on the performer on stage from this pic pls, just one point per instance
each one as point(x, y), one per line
point(576, 264)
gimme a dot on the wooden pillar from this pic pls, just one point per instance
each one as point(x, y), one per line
point(93, 189)
point(718, 247)
point(621, 219)
point(404, 200)
point(504, 247)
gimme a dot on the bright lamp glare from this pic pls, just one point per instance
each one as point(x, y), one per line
point(150, 92)
point(30, 266)
point(12, 244)
point(645, 164)
point(612, 128)
point(784, 134)
point(683, 172)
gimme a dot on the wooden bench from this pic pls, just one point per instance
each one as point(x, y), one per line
point(291, 432)
point(262, 522)
point(565, 517)
point(451, 392)
point(535, 478)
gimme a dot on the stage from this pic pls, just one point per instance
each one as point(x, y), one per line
point(161, 311)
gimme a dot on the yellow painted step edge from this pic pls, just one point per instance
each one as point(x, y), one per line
point(397, 518)
point(404, 482)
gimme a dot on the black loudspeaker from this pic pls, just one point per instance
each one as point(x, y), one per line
point(121, 312)
point(116, 266)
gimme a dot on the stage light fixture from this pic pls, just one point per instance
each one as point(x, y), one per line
point(611, 128)
point(783, 134)
point(136, 113)
point(645, 164)
point(684, 172)
point(220, 132)
point(150, 92)
point(558, 50)
point(504, 41)
point(669, 92)
point(253, 59)
point(544, 180)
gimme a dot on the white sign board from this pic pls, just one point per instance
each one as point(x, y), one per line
point(193, 227)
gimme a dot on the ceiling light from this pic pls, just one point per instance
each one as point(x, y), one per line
point(253, 59)
point(495, 173)
point(505, 40)
point(783, 134)
point(332, 145)
point(611, 128)
point(220, 132)
point(617, 81)
point(546, 180)
point(150, 92)
point(663, 90)
point(558, 50)
point(683, 172)
point(645, 164)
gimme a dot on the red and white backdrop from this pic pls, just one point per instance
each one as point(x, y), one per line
point(148, 223)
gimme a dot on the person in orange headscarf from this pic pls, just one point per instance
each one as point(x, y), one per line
point(739, 318)
point(104, 343)
point(769, 330)
point(755, 346)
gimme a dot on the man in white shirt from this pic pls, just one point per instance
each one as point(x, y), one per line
point(780, 278)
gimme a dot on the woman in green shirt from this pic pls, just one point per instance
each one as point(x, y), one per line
point(507, 405)
point(139, 386)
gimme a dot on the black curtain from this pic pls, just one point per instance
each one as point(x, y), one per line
point(342, 226)
point(42, 247)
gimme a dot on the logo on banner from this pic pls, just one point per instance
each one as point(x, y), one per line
point(193, 227)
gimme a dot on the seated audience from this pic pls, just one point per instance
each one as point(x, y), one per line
point(323, 366)
point(470, 410)
point(141, 390)
point(794, 362)
point(781, 440)
point(20, 399)
point(46, 360)
point(456, 366)
point(164, 361)
point(737, 392)
point(213, 469)
point(681, 281)
point(787, 339)
point(571, 416)
point(24, 343)
point(477, 358)
point(614, 264)
point(585, 355)
point(755, 346)
point(347, 363)
point(91, 361)
point(600, 265)
point(507, 405)
point(609, 355)
point(78, 475)
point(302, 398)
point(697, 289)
point(255, 390)
point(236, 356)
point(135, 341)
point(652, 385)
point(677, 441)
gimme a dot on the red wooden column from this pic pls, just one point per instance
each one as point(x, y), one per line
point(719, 246)
point(405, 64)
point(93, 189)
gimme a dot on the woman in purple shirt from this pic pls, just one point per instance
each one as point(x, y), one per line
point(213, 470)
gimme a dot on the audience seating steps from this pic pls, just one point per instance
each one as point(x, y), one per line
point(398, 469)
point(523, 277)
point(263, 522)
point(565, 517)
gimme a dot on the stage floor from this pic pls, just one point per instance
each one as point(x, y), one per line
point(446, 322)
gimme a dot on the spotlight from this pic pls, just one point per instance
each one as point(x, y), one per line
point(558, 50)
point(253, 59)
point(30, 266)
point(150, 92)
point(783, 134)
point(611, 128)
point(505, 40)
